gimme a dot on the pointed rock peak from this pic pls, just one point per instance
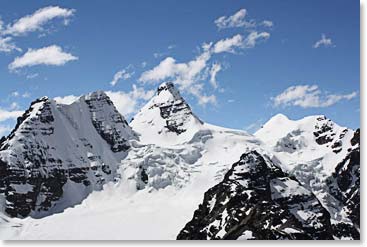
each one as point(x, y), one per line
point(166, 115)
point(167, 93)
point(168, 86)
point(99, 94)
point(252, 187)
point(40, 112)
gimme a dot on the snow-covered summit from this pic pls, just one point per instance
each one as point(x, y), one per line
point(313, 149)
point(166, 119)
point(57, 154)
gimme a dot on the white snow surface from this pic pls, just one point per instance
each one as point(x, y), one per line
point(294, 144)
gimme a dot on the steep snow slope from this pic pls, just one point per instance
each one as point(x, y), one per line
point(58, 154)
point(311, 149)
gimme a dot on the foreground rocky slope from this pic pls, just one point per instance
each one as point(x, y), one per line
point(257, 200)
point(325, 158)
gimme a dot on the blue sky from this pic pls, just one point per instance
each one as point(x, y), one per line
point(236, 62)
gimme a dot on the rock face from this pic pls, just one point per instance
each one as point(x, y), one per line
point(57, 154)
point(324, 157)
point(257, 200)
point(166, 115)
point(344, 185)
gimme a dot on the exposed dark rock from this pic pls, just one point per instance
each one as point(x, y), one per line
point(33, 174)
point(177, 112)
point(344, 185)
point(324, 131)
point(113, 136)
point(257, 200)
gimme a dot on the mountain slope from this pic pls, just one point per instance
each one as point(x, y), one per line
point(58, 154)
point(166, 118)
point(314, 149)
point(257, 200)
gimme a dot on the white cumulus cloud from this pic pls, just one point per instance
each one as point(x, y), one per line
point(128, 103)
point(37, 20)
point(66, 100)
point(51, 55)
point(308, 96)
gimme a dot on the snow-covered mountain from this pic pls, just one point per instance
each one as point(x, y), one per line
point(325, 158)
point(84, 159)
point(257, 200)
point(166, 118)
point(58, 154)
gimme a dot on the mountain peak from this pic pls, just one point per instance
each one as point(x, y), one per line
point(278, 118)
point(167, 93)
point(167, 116)
point(96, 95)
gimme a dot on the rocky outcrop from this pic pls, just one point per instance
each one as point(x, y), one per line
point(344, 185)
point(257, 200)
point(112, 134)
point(166, 117)
point(176, 112)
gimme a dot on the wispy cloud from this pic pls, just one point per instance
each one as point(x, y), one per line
point(16, 94)
point(191, 76)
point(253, 127)
point(254, 37)
point(267, 23)
point(235, 20)
point(228, 44)
point(216, 67)
point(32, 76)
point(51, 55)
point(308, 96)
point(9, 114)
point(326, 42)
point(238, 20)
point(186, 75)
point(37, 20)
point(7, 45)
point(123, 74)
